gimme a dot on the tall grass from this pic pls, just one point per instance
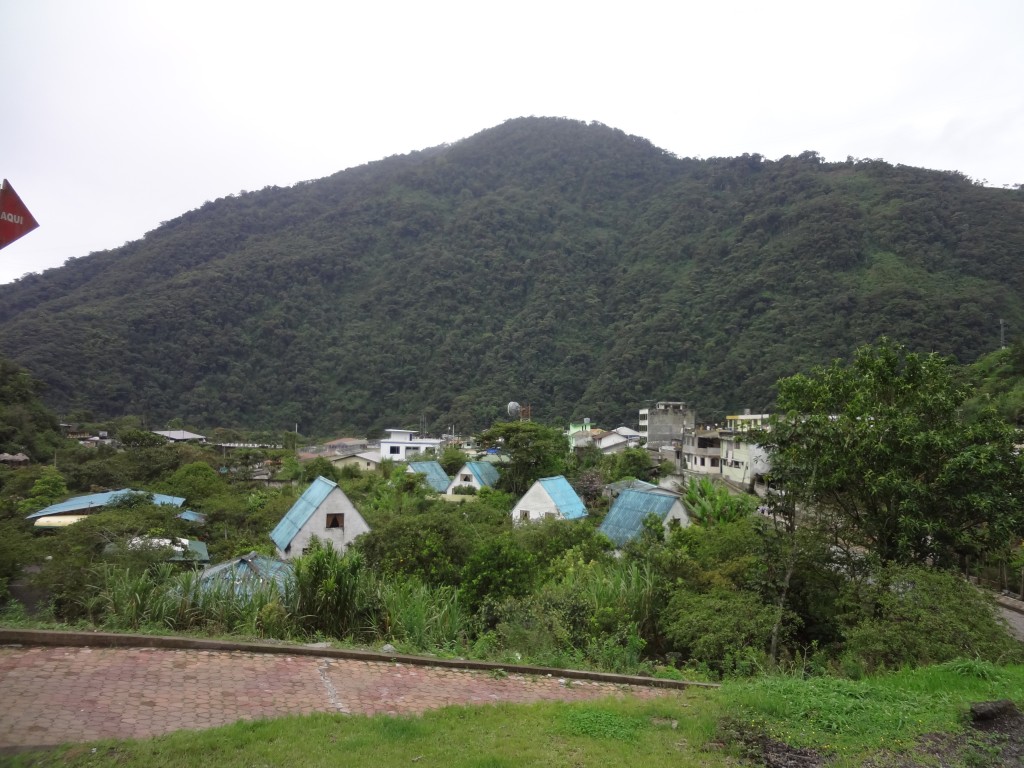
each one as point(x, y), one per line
point(329, 595)
point(422, 617)
point(165, 598)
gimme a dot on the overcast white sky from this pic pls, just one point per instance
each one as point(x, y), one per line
point(116, 115)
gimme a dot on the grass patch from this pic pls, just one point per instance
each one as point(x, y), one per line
point(851, 719)
point(546, 734)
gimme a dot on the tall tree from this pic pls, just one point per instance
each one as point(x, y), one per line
point(876, 452)
point(535, 451)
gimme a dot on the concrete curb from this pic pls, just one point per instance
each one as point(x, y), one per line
point(1010, 603)
point(114, 640)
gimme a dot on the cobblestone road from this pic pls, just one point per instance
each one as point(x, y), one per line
point(53, 695)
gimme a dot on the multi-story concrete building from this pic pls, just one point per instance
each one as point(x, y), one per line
point(664, 422)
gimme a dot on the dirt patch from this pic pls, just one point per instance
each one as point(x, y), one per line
point(995, 742)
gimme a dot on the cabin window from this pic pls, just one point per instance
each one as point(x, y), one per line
point(466, 478)
point(336, 520)
point(524, 514)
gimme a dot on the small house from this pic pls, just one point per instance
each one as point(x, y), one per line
point(550, 498)
point(323, 511)
point(367, 461)
point(74, 509)
point(625, 520)
point(475, 474)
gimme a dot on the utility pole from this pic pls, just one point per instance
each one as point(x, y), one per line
point(1002, 334)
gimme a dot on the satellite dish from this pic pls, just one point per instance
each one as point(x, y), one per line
point(514, 409)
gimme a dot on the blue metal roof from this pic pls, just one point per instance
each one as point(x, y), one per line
point(437, 478)
point(564, 497)
point(94, 501)
point(625, 519)
point(484, 472)
point(193, 516)
point(247, 573)
point(301, 511)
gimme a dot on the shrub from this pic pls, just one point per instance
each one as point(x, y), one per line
point(729, 630)
point(912, 615)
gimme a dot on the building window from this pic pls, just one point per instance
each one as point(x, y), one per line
point(336, 520)
point(466, 478)
point(394, 450)
point(524, 515)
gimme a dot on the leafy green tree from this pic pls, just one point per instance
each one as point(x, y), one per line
point(196, 482)
point(48, 489)
point(452, 459)
point(876, 454)
point(499, 569)
point(433, 546)
point(632, 462)
point(709, 503)
point(535, 451)
point(139, 438)
point(319, 467)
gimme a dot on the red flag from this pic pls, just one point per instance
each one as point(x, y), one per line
point(15, 220)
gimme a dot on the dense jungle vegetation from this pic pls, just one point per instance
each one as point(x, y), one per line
point(869, 581)
point(557, 263)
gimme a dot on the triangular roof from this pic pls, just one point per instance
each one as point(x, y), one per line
point(484, 472)
point(248, 572)
point(625, 519)
point(565, 499)
point(631, 482)
point(94, 501)
point(301, 511)
point(437, 478)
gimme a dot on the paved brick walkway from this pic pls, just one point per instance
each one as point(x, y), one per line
point(53, 695)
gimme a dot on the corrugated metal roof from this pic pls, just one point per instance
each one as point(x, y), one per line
point(94, 501)
point(437, 478)
point(192, 516)
point(301, 511)
point(626, 517)
point(247, 573)
point(484, 472)
point(631, 482)
point(569, 505)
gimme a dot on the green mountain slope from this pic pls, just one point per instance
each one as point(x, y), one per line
point(545, 260)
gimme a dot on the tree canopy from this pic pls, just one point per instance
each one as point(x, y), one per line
point(534, 450)
point(564, 264)
point(876, 452)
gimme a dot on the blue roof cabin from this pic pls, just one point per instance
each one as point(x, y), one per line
point(549, 498)
point(625, 520)
point(323, 511)
point(476, 474)
point(437, 479)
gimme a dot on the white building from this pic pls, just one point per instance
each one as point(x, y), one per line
point(742, 461)
point(402, 443)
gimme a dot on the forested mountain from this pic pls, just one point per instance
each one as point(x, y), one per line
point(549, 261)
